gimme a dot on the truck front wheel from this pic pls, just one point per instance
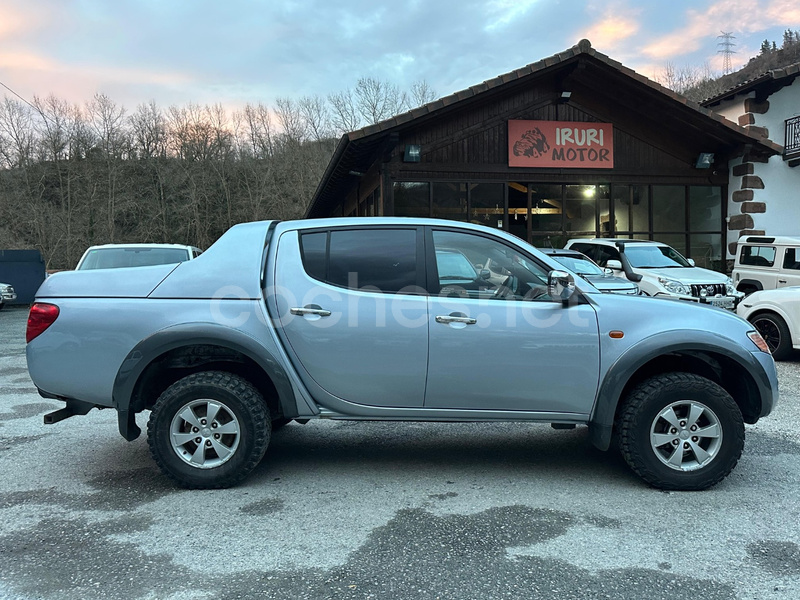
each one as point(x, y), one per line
point(209, 430)
point(680, 431)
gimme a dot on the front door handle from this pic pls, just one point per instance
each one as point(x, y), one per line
point(447, 319)
point(311, 309)
point(781, 281)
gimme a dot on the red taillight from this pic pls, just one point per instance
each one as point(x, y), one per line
point(40, 318)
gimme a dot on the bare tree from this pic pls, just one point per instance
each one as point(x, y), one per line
point(345, 116)
point(316, 116)
point(378, 100)
point(257, 130)
point(148, 131)
point(422, 93)
point(16, 133)
point(290, 118)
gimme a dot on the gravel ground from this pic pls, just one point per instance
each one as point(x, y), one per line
point(385, 510)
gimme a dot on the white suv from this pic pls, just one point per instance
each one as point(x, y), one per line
point(660, 270)
point(766, 263)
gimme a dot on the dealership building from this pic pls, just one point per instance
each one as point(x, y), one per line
point(575, 145)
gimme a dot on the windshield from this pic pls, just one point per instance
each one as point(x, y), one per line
point(581, 266)
point(114, 258)
point(651, 257)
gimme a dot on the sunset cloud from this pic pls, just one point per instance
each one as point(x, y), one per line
point(26, 71)
point(208, 52)
point(607, 34)
point(724, 15)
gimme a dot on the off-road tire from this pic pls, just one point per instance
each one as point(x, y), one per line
point(641, 410)
point(772, 326)
point(239, 398)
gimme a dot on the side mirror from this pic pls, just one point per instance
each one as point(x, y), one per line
point(614, 264)
point(485, 273)
point(560, 285)
point(608, 271)
point(691, 262)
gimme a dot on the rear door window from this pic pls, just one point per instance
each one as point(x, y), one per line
point(381, 260)
point(791, 260)
point(757, 256)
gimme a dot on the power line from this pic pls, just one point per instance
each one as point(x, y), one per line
point(18, 96)
point(33, 106)
point(726, 49)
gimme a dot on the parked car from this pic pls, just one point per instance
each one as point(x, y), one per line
point(114, 256)
point(603, 279)
point(345, 319)
point(660, 270)
point(766, 263)
point(776, 316)
point(7, 294)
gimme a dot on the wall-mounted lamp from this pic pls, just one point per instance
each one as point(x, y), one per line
point(565, 96)
point(413, 153)
point(704, 160)
point(356, 173)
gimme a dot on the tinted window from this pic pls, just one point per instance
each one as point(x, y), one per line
point(113, 258)
point(385, 259)
point(313, 247)
point(602, 254)
point(587, 249)
point(792, 259)
point(758, 256)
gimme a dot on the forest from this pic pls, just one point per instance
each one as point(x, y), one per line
point(74, 176)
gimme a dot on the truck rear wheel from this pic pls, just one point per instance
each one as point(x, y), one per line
point(209, 430)
point(681, 431)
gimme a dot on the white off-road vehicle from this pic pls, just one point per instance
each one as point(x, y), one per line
point(660, 270)
point(766, 263)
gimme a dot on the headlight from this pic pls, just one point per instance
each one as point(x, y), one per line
point(729, 289)
point(674, 286)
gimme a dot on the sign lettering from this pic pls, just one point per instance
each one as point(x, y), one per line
point(560, 144)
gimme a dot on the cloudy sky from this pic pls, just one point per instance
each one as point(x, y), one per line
point(237, 51)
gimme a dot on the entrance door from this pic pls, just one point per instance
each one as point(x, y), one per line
point(497, 340)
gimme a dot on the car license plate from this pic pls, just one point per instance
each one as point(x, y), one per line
point(722, 302)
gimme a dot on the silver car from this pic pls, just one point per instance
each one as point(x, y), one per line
point(603, 279)
point(7, 294)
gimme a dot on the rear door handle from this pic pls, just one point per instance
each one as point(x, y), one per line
point(312, 309)
point(446, 319)
point(781, 281)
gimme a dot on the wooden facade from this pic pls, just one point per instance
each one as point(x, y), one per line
point(464, 146)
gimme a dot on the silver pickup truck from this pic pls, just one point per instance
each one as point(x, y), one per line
point(392, 319)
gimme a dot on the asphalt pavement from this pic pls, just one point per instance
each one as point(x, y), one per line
point(385, 510)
